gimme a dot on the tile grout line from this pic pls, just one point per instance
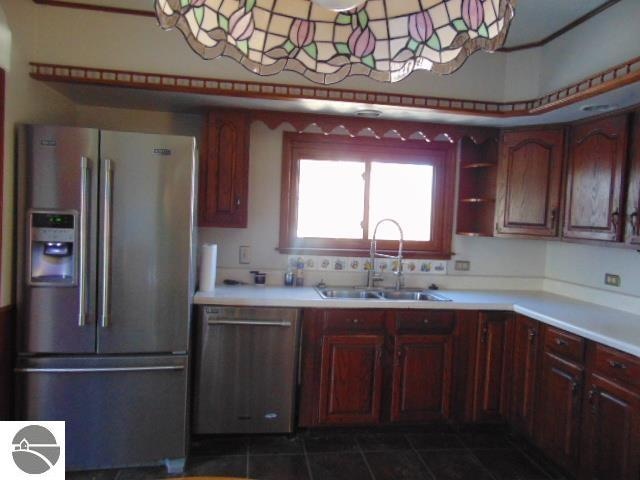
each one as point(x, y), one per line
point(306, 458)
point(476, 458)
point(420, 459)
point(248, 453)
point(533, 460)
point(364, 457)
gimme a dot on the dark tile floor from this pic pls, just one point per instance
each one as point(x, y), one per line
point(420, 453)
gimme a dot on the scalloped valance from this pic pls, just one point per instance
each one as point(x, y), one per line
point(383, 39)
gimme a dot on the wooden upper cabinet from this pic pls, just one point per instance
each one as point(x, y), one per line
point(422, 371)
point(351, 379)
point(529, 182)
point(595, 175)
point(632, 229)
point(224, 170)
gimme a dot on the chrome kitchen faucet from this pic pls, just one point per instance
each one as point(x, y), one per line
point(372, 277)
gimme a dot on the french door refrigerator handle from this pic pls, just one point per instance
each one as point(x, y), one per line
point(106, 244)
point(82, 258)
point(100, 370)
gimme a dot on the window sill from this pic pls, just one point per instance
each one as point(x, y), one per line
point(351, 252)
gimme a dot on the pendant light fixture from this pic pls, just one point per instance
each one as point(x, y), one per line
point(328, 41)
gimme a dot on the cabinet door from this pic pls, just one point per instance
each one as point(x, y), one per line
point(595, 173)
point(611, 432)
point(421, 377)
point(525, 354)
point(632, 229)
point(493, 354)
point(529, 179)
point(224, 171)
point(351, 379)
point(558, 406)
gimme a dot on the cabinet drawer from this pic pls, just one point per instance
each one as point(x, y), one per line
point(353, 320)
point(566, 345)
point(620, 366)
point(424, 321)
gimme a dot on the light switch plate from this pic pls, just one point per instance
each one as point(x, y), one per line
point(245, 255)
point(462, 265)
point(612, 280)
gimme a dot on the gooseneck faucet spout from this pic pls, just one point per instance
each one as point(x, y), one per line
point(371, 273)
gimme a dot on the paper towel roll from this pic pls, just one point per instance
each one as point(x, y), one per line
point(208, 264)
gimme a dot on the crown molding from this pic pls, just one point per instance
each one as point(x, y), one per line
point(602, 82)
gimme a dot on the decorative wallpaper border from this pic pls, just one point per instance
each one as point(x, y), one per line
point(602, 82)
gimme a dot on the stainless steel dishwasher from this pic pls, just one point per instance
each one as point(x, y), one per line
point(246, 370)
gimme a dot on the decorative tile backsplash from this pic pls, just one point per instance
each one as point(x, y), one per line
point(362, 264)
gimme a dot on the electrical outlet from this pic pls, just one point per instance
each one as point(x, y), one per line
point(462, 265)
point(612, 280)
point(245, 255)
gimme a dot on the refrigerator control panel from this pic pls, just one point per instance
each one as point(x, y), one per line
point(53, 248)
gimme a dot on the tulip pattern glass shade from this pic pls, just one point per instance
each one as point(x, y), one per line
point(383, 39)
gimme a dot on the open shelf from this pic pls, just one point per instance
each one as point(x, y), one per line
point(477, 189)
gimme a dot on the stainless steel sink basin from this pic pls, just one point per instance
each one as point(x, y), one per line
point(347, 293)
point(381, 294)
point(413, 296)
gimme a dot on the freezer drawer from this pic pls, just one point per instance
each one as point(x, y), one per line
point(120, 411)
point(246, 370)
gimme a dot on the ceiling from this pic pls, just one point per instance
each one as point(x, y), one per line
point(535, 19)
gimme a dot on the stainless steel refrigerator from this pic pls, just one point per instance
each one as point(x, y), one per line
point(105, 280)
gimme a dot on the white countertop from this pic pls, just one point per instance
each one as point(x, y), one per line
point(614, 328)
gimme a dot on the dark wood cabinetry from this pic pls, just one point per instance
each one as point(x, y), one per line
point(422, 370)
point(525, 362)
point(492, 364)
point(529, 182)
point(351, 379)
point(595, 176)
point(558, 405)
point(611, 431)
point(224, 170)
point(632, 226)
point(477, 192)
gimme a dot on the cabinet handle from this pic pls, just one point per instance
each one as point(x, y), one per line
point(614, 219)
point(554, 217)
point(561, 343)
point(483, 338)
point(532, 335)
point(574, 386)
point(618, 365)
point(378, 353)
point(355, 320)
point(633, 218)
point(425, 321)
point(593, 393)
point(238, 201)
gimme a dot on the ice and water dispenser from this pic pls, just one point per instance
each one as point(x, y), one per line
point(52, 250)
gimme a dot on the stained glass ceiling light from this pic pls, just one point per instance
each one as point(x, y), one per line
point(383, 39)
point(338, 5)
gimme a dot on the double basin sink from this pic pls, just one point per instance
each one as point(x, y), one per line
point(381, 294)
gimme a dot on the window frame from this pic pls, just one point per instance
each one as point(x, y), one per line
point(442, 155)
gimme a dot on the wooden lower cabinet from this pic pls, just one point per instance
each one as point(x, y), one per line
point(492, 363)
point(422, 370)
point(611, 431)
point(351, 379)
point(525, 362)
point(558, 410)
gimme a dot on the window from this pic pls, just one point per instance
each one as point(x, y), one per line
point(336, 189)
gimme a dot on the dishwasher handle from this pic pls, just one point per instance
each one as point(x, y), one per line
point(256, 323)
